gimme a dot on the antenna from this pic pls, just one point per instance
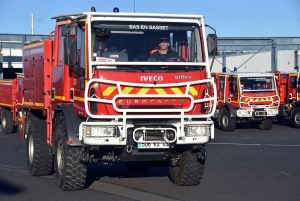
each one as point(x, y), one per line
point(32, 25)
point(134, 6)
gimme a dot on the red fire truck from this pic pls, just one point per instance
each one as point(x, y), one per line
point(7, 95)
point(10, 100)
point(92, 92)
point(288, 87)
point(246, 97)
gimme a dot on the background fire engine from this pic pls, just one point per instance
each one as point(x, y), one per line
point(246, 97)
point(288, 87)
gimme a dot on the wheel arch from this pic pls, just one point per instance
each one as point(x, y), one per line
point(72, 122)
point(295, 107)
point(227, 106)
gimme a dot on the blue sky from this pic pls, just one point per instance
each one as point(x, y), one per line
point(231, 18)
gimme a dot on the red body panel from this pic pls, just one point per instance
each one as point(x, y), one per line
point(288, 87)
point(7, 92)
point(10, 96)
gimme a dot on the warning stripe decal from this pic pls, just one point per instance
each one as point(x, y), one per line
point(108, 91)
point(259, 99)
point(146, 90)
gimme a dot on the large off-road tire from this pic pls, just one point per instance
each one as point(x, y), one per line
point(189, 171)
point(39, 157)
point(136, 167)
point(71, 174)
point(296, 118)
point(7, 121)
point(227, 123)
point(266, 125)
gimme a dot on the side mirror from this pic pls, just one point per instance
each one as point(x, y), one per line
point(68, 30)
point(212, 44)
point(69, 51)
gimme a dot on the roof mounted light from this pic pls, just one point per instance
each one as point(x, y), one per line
point(93, 9)
point(116, 10)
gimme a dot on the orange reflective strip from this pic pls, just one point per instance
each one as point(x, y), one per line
point(127, 90)
point(108, 91)
point(193, 91)
point(176, 90)
point(143, 91)
point(160, 91)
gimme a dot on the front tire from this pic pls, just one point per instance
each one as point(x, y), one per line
point(227, 123)
point(7, 121)
point(71, 174)
point(266, 125)
point(296, 118)
point(190, 170)
point(39, 158)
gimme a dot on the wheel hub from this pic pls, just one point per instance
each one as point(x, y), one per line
point(225, 121)
point(30, 148)
point(60, 158)
point(297, 118)
point(3, 123)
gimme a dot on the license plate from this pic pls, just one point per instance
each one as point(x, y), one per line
point(153, 146)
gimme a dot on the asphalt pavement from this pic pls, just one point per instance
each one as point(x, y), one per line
point(247, 164)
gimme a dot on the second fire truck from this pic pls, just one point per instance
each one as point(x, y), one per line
point(289, 91)
point(246, 97)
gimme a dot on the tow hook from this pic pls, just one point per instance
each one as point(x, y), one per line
point(202, 154)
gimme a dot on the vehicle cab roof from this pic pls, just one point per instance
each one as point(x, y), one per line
point(247, 74)
point(126, 14)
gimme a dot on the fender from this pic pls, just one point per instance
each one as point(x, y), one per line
point(72, 123)
point(227, 106)
point(295, 106)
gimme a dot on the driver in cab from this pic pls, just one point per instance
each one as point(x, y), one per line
point(163, 53)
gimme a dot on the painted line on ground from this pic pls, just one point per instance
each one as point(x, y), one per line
point(271, 145)
point(103, 187)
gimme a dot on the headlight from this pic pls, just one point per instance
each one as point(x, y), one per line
point(99, 131)
point(274, 111)
point(197, 131)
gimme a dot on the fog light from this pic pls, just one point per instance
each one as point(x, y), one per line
point(197, 131)
point(99, 131)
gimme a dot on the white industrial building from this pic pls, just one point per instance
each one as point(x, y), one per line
point(249, 54)
point(258, 62)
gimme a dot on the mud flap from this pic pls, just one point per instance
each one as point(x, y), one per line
point(72, 123)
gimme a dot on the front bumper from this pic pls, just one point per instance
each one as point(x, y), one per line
point(204, 133)
point(265, 112)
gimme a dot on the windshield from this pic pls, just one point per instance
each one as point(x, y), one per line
point(257, 83)
point(145, 42)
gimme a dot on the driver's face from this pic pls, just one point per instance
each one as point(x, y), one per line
point(164, 45)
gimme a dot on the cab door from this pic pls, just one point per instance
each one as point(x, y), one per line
point(221, 88)
point(293, 87)
point(233, 97)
